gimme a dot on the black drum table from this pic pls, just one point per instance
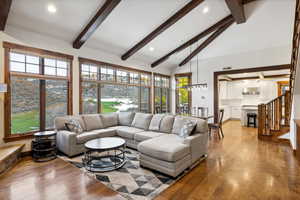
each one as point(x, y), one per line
point(104, 154)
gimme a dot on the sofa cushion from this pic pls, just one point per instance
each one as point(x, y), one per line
point(109, 119)
point(128, 132)
point(166, 124)
point(86, 136)
point(142, 120)
point(168, 147)
point(145, 135)
point(155, 122)
point(60, 122)
point(92, 122)
point(125, 118)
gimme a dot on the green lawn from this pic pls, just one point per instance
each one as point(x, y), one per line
point(109, 106)
point(25, 122)
point(29, 121)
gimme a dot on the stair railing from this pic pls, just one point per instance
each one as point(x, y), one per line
point(274, 115)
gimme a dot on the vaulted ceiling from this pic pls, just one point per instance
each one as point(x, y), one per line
point(269, 24)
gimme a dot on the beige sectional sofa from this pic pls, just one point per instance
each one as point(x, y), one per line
point(156, 137)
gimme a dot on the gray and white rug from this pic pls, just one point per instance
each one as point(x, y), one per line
point(131, 181)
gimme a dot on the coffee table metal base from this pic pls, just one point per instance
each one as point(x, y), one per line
point(105, 160)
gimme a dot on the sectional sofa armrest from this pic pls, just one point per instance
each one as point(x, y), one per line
point(198, 144)
point(65, 140)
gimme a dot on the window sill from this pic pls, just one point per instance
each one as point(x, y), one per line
point(13, 138)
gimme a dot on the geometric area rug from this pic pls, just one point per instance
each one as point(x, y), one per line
point(131, 181)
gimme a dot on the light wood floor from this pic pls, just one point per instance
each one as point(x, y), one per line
point(238, 167)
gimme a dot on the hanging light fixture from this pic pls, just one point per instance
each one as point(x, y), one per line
point(201, 86)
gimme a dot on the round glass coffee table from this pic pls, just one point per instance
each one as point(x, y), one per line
point(104, 154)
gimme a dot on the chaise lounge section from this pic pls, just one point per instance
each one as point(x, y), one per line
point(156, 137)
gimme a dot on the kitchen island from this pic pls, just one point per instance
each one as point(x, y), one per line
point(248, 109)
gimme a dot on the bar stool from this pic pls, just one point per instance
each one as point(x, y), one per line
point(251, 119)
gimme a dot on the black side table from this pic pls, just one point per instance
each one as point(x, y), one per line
point(44, 146)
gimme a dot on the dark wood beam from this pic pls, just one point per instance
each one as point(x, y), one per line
point(95, 22)
point(206, 43)
point(236, 8)
point(194, 39)
point(4, 10)
point(248, 1)
point(164, 26)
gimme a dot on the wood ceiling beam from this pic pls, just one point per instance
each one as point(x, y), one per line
point(164, 26)
point(248, 1)
point(95, 22)
point(4, 11)
point(236, 8)
point(194, 39)
point(206, 42)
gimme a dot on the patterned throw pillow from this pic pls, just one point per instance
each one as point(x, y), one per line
point(187, 129)
point(74, 126)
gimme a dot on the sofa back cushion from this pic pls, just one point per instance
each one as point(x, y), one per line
point(179, 122)
point(125, 118)
point(92, 122)
point(60, 122)
point(109, 119)
point(142, 120)
point(166, 124)
point(155, 122)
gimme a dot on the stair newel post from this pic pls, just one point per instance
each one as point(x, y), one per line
point(261, 119)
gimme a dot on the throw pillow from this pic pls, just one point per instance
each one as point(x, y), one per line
point(187, 128)
point(74, 126)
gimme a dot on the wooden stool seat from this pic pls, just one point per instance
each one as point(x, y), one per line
point(251, 119)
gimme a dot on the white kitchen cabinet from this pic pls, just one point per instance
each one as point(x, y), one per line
point(223, 89)
point(236, 112)
point(227, 113)
point(234, 90)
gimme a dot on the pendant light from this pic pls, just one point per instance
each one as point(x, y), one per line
point(201, 86)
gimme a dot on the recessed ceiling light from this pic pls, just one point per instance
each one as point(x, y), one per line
point(205, 10)
point(51, 8)
point(151, 48)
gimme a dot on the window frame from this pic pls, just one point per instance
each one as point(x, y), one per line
point(42, 54)
point(115, 81)
point(181, 75)
point(161, 87)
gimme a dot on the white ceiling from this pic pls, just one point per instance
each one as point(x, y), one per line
point(269, 24)
point(253, 74)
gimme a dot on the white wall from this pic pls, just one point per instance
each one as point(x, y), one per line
point(21, 36)
point(265, 57)
point(295, 108)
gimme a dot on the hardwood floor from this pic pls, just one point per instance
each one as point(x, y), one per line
point(238, 167)
point(54, 180)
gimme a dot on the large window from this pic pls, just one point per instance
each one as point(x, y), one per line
point(109, 88)
point(162, 93)
point(183, 95)
point(39, 89)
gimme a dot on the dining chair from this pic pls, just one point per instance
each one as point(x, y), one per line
point(218, 125)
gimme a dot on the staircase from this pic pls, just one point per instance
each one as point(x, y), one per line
point(274, 117)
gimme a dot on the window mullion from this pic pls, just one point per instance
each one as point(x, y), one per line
point(99, 98)
point(42, 97)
